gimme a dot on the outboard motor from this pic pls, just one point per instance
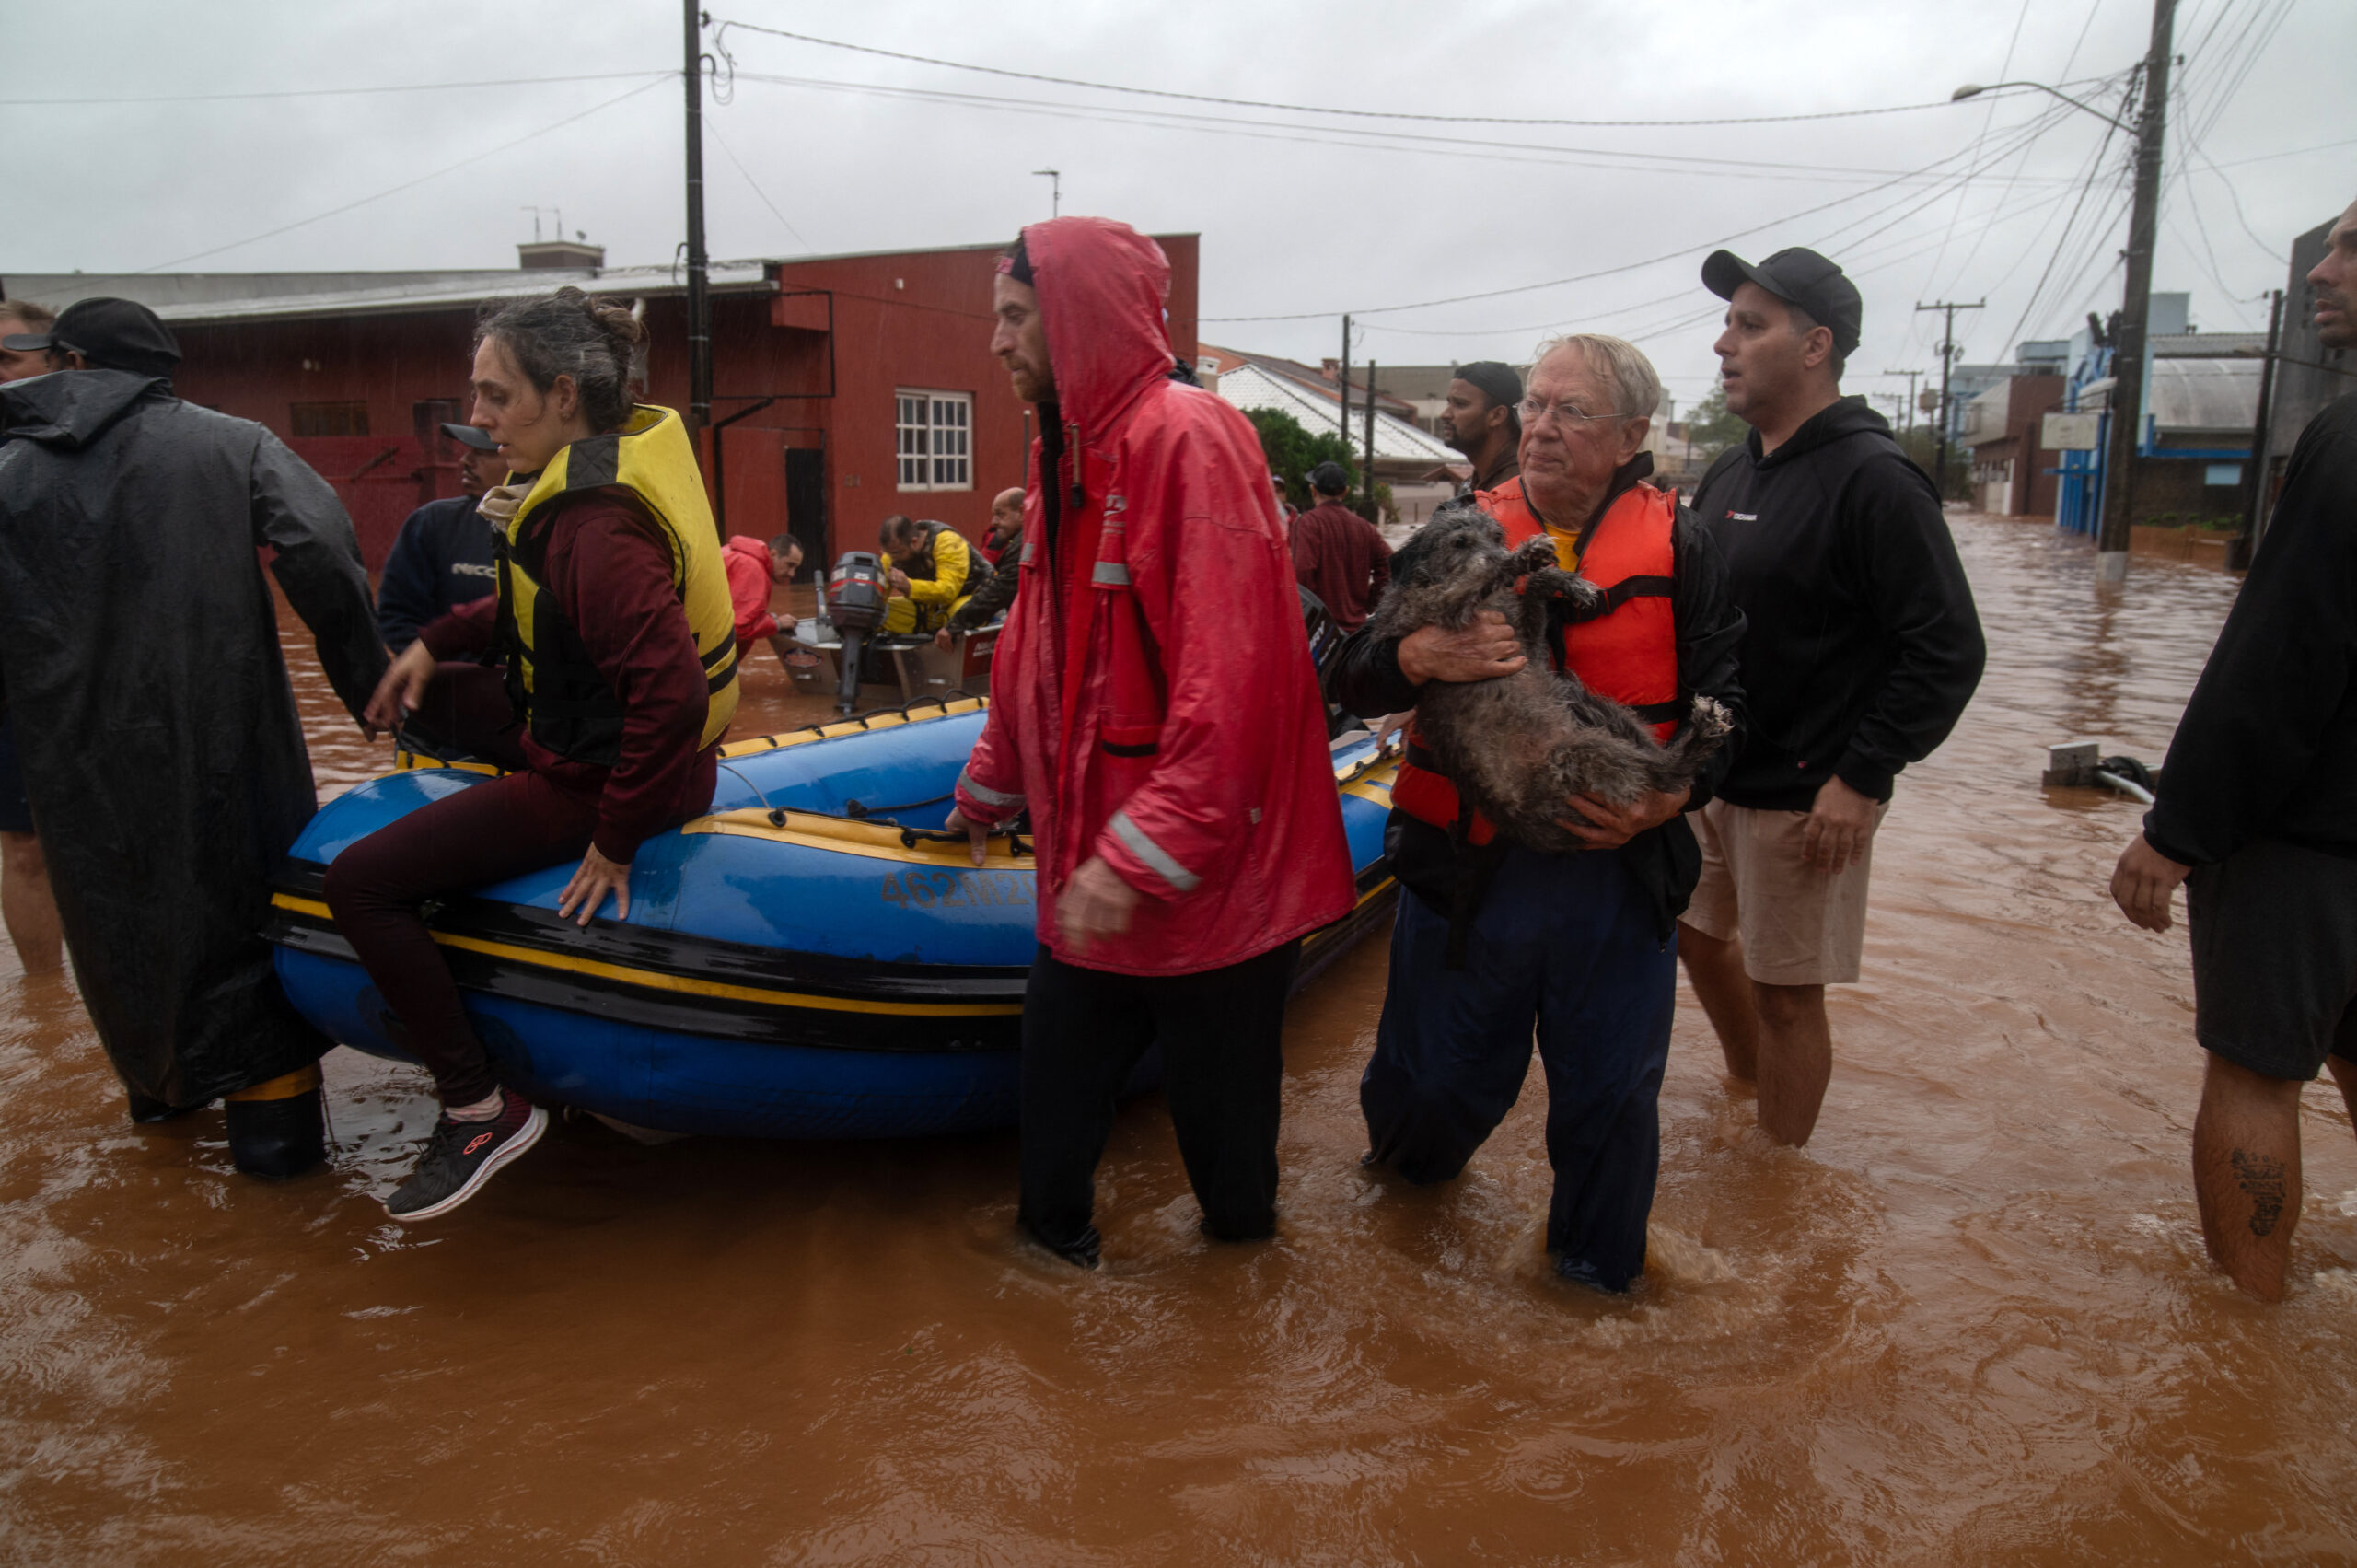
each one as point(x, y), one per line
point(856, 596)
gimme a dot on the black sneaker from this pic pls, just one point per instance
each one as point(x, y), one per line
point(461, 1156)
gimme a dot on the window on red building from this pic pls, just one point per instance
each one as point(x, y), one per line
point(328, 419)
point(936, 444)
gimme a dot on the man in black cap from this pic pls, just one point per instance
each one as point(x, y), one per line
point(1861, 649)
point(1483, 421)
point(140, 661)
point(442, 557)
point(1337, 554)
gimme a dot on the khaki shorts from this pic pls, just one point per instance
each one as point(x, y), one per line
point(1799, 926)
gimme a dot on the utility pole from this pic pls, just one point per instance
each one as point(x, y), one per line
point(1369, 477)
point(699, 265)
point(1055, 191)
point(2238, 553)
point(1908, 412)
point(1948, 358)
point(1346, 383)
point(2127, 403)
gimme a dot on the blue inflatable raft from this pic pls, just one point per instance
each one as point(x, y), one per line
point(813, 960)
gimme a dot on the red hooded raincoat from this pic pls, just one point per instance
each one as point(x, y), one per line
point(1160, 711)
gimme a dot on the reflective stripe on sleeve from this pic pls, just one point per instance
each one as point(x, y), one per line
point(996, 799)
point(1111, 573)
point(1146, 850)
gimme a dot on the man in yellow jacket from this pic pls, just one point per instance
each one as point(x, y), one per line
point(930, 568)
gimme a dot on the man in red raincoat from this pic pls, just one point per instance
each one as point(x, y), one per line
point(1154, 707)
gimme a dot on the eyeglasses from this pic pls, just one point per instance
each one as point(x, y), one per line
point(1533, 410)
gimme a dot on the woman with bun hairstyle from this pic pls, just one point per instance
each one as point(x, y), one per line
point(614, 614)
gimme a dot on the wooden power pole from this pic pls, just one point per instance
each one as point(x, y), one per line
point(2128, 350)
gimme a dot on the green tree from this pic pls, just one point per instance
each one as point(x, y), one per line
point(1292, 451)
point(1712, 428)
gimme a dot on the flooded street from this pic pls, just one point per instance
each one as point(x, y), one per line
point(1972, 1322)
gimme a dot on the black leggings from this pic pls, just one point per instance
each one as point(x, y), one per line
point(1222, 1038)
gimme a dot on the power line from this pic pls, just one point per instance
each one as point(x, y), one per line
point(720, 32)
point(407, 184)
point(713, 125)
point(1549, 153)
point(330, 92)
point(2035, 127)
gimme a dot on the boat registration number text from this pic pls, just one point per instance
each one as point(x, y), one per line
point(953, 889)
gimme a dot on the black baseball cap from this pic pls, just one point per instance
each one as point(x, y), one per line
point(1329, 479)
point(1494, 381)
point(468, 436)
point(112, 334)
point(1798, 277)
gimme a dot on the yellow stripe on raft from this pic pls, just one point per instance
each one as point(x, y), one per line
point(753, 746)
point(683, 984)
point(871, 840)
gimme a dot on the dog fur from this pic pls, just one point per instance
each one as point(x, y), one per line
point(1521, 745)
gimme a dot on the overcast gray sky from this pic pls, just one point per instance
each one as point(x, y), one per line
point(2017, 199)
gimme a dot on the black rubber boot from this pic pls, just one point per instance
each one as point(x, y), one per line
point(277, 1138)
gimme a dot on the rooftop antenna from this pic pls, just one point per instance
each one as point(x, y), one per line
point(1055, 190)
point(536, 225)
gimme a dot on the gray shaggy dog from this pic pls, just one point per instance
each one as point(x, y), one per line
point(1521, 745)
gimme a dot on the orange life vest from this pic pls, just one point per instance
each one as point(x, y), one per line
point(1626, 649)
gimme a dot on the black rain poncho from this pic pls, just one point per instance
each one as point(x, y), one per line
point(139, 659)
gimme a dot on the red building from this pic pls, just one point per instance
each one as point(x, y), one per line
point(845, 388)
point(2012, 472)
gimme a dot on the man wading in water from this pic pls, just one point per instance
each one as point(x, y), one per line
point(1492, 937)
point(2256, 813)
point(1860, 650)
point(1154, 705)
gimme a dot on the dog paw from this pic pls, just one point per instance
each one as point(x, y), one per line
point(1535, 555)
point(1711, 717)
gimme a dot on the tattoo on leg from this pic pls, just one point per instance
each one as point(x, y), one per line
point(2261, 1179)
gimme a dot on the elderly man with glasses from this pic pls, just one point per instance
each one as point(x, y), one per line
point(1493, 937)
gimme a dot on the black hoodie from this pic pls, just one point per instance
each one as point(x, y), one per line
point(2267, 746)
point(1861, 645)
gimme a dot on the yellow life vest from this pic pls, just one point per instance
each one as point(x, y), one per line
point(559, 692)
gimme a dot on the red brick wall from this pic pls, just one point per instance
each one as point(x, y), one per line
point(917, 319)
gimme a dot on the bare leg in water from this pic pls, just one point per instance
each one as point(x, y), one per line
point(1773, 1036)
point(27, 906)
point(2247, 1168)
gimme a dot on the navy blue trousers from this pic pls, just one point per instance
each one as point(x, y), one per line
point(1566, 942)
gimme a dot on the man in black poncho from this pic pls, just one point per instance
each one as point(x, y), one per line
point(139, 659)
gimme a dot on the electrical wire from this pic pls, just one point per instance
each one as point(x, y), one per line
point(408, 184)
point(713, 124)
point(721, 31)
point(1492, 151)
point(330, 92)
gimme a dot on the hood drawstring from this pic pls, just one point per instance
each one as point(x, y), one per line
point(1072, 448)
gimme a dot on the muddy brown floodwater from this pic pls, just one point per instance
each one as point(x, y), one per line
point(1970, 1323)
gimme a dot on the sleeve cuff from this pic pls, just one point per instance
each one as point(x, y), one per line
point(1868, 779)
point(2167, 849)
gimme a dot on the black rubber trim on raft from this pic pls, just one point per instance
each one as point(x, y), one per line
point(696, 957)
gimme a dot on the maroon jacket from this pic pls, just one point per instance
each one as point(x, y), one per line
point(614, 583)
point(1338, 555)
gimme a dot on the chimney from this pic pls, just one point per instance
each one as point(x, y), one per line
point(566, 255)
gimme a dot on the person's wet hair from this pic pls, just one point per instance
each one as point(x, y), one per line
point(594, 340)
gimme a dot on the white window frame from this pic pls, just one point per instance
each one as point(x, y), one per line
point(932, 438)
